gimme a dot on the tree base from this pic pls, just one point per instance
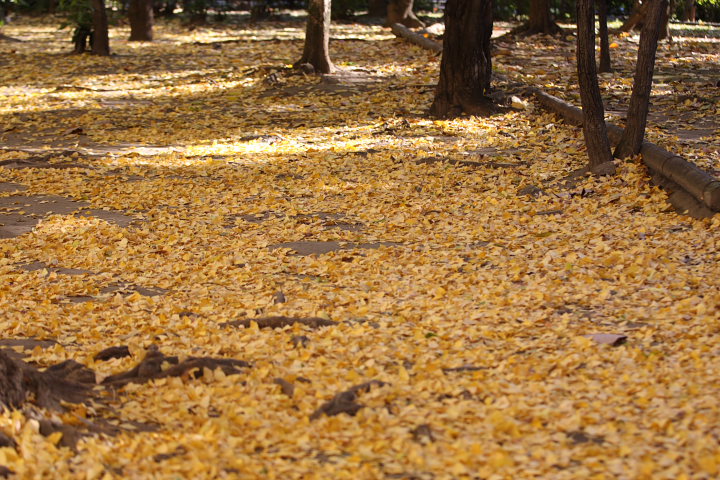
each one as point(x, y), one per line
point(480, 107)
point(604, 169)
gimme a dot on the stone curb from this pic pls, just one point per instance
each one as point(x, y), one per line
point(691, 190)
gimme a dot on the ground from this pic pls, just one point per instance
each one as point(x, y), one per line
point(514, 321)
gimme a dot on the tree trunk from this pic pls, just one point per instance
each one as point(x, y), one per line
point(377, 8)
point(540, 19)
point(317, 38)
point(80, 39)
point(466, 65)
point(140, 14)
point(688, 13)
point(401, 11)
point(594, 128)
point(605, 66)
point(100, 38)
point(665, 22)
point(21, 383)
point(259, 10)
point(632, 138)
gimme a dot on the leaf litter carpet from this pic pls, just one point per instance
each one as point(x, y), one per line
point(414, 298)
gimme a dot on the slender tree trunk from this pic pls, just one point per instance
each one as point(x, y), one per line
point(401, 11)
point(540, 19)
point(594, 128)
point(100, 38)
point(604, 40)
point(140, 14)
point(259, 10)
point(637, 15)
point(634, 133)
point(80, 39)
point(466, 65)
point(688, 13)
point(317, 37)
point(665, 22)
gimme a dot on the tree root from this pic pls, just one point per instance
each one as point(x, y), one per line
point(151, 368)
point(280, 322)
point(345, 402)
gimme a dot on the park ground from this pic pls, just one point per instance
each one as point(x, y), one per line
point(514, 320)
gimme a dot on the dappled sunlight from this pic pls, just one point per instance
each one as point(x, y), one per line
point(198, 195)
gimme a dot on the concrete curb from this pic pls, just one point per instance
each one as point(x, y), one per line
point(691, 190)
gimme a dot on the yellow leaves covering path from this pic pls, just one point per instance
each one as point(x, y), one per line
point(501, 269)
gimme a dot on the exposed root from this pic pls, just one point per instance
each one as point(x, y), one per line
point(280, 322)
point(151, 368)
point(345, 402)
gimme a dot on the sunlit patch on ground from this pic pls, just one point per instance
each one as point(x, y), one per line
point(463, 263)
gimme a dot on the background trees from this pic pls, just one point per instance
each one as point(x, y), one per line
point(140, 15)
point(100, 37)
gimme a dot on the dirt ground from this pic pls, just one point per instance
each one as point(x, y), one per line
point(263, 274)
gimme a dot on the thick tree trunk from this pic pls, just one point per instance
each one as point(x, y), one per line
point(540, 19)
point(140, 14)
point(100, 38)
point(604, 40)
point(632, 138)
point(466, 65)
point(317, 37)
point(401, 11)
point(594, 128)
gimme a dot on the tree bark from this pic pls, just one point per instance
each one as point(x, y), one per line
point(631, 141)
point(80, 39)
point(317, 38)
point(540, 19)
point(100, 37)
point(688, 13)
point(594, 128)
point(140, 14)
point(466, 65)
point(377, 8)
point(401, 11)
point(605, 65)
point(21, 383)
point(259, 10)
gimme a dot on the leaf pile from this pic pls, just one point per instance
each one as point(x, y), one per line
point(485, 315)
